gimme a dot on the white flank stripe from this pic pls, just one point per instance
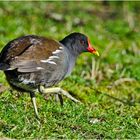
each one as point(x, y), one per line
point(61, 48)
point(44, 61)
point(39, 68)
point(48, 61)
point(52, 57)
point(51, 62)
point(57, 51)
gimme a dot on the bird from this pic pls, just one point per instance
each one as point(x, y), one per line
point(34, 63)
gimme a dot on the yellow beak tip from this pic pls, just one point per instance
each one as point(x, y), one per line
point(97, 53)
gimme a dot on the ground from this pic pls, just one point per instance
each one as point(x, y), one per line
point(108, 86)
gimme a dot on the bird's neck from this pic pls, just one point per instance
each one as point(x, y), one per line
point(72, 54)
point(69, 44)
point(71, 64)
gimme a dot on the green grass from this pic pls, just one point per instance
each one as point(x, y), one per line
point(111, 103)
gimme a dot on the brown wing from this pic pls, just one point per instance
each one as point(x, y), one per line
point(26, 52)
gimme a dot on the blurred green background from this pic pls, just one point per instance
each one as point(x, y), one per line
point(108, 86)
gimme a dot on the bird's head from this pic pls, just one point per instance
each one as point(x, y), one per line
point(78, 43)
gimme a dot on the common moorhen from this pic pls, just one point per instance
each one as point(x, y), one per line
point(33, 63)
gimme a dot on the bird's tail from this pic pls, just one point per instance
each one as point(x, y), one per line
point(4, 66)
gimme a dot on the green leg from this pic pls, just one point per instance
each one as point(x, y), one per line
point(32, 94)
point(58, 97)
point(59, 91)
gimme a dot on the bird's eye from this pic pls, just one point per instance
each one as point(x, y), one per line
point(82, 42)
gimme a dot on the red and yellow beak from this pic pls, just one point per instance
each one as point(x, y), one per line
point(91, 49)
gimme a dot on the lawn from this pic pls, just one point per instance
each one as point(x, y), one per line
point(108, 86)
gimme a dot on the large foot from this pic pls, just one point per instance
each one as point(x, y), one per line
point(59, 92)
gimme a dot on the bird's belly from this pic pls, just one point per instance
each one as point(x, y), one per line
point(31, 81)
point(51, 79)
